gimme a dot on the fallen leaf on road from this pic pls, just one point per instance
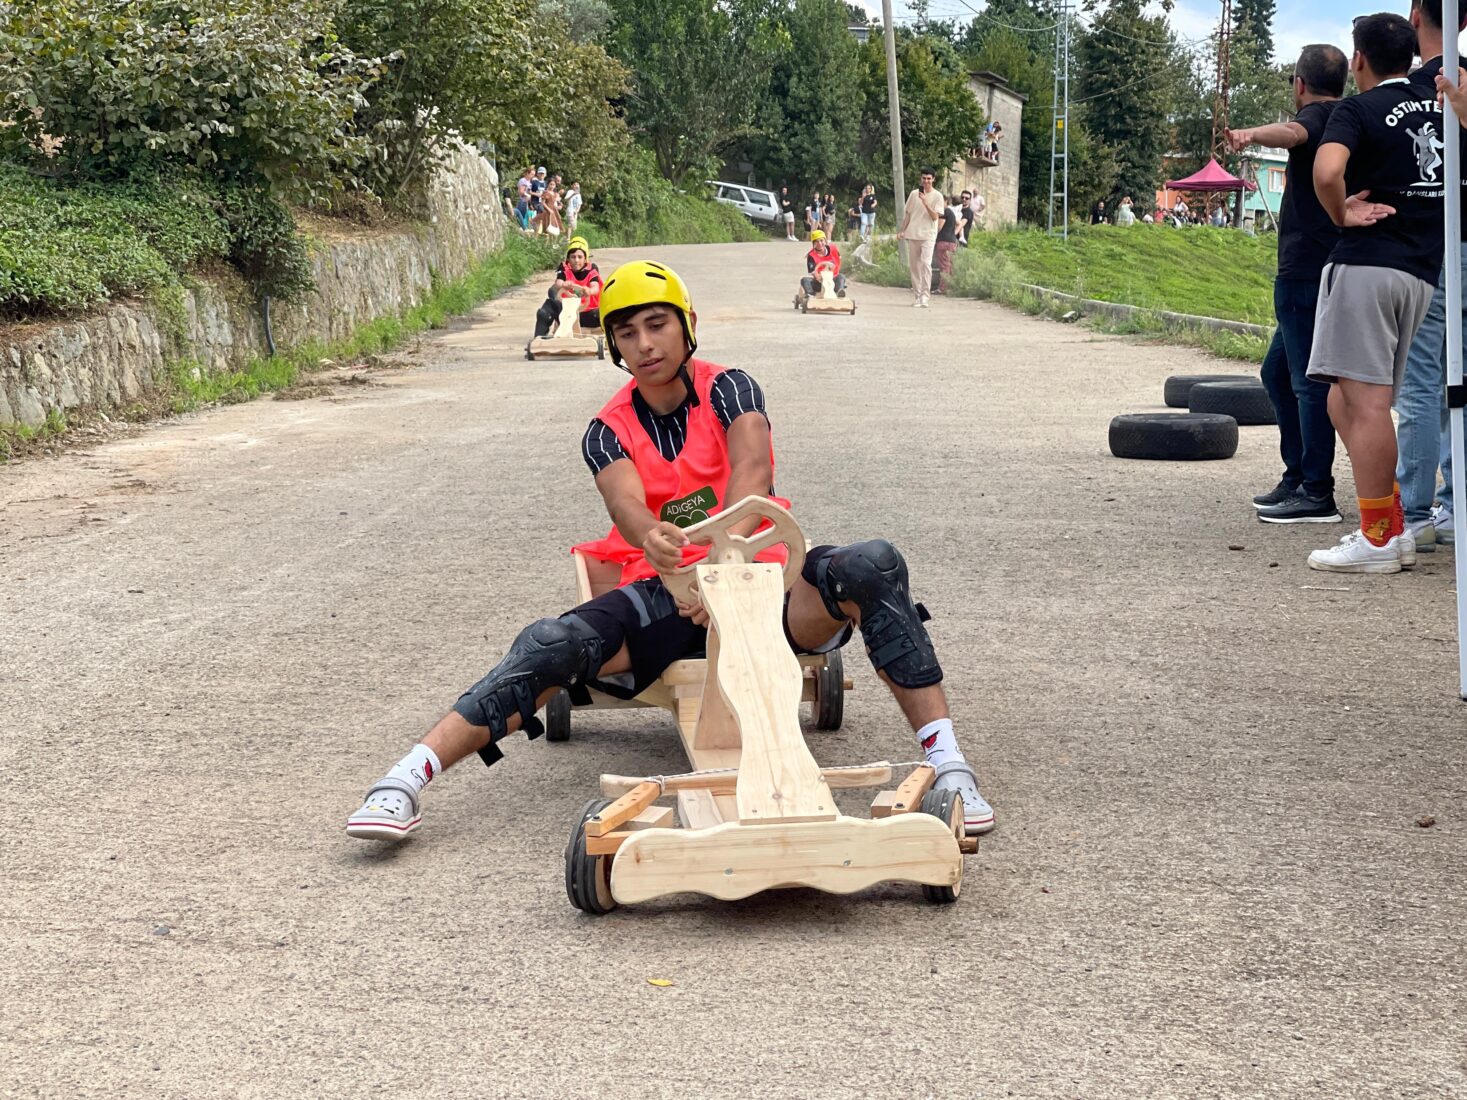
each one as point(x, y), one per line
point(660, 983)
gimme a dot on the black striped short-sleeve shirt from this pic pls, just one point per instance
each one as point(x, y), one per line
point(734, 394)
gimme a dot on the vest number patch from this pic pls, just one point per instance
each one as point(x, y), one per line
point(691, 509)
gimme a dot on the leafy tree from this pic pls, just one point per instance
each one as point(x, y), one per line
point(1124, 61)
point(810, 121)
point(941, 118)
point(239, 89)
point(1253, 28)
point(471, 68)
point(701, 69)
point(584, 20)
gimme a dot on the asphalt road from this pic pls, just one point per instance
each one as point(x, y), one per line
point(1208, 763)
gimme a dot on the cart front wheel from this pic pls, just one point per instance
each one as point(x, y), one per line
point(587, 877)
point(948, 806)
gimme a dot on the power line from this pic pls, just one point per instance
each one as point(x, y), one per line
point(1008, 26)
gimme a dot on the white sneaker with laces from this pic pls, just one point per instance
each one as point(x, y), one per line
point(1408, 548)
point(1357, 554)
point(390, 812)
point(1441, 519)
point(1423, 534)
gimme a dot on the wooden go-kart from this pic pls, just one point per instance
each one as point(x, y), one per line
point(826, 301)
point(756, 811)
point(580, 344)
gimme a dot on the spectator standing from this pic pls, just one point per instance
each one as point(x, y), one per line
point(814, 214)
point(921, 217)
point(827, 215)
point(1421, 410)
point(1305, 493)
point(1097, 213)
point(868, 212)
point(853, 219)
point(1219, 217)
point(787, 212)
point(1124, 214)
point(1380, 276)
point(573, 207)
point(969, 216)
point(944, 247)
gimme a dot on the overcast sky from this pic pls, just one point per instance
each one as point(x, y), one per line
point(1298, 22)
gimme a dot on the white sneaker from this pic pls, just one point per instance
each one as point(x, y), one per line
point(1423, 534)
point(389, 813)
point(1441, 519)
point(957, 775)
point(917, 303)
point(926, 301)
point(1357, 554)
point(1408, 548)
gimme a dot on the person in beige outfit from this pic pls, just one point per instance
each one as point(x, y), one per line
point(920, 222)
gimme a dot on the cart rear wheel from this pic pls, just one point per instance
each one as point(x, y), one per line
point(558, 717)
point(947, 805)
point(600, 348)
point(830, 692)
point(587, 877)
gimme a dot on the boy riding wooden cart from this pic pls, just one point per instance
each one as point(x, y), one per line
point(685, 437)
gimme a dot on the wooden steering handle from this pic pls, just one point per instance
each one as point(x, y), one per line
point(731, 549)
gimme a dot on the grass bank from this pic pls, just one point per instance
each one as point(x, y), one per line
point(1202, 271)
point(189, 386)
point(684, 219)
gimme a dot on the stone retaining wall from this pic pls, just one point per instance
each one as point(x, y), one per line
point(109, 359)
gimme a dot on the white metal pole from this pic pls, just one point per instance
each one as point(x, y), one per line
point(1452, 140)
point(894, 106)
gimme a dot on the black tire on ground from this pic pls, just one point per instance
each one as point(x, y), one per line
point(530, 355)
point(600, 348)
point(1246, 401)
point(558, 717)
point(1178, 386)
point(947, 806)
point(587, 877)
point(830, 692)
point(1174, 436)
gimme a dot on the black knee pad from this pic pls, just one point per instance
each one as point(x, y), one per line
point(564, 653)
point(873, 576)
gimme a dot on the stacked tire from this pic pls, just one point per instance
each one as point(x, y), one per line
point(1216, 405)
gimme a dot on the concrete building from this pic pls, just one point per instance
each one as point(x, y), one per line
point(996, 180)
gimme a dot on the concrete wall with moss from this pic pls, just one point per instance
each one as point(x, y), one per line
point(108, 360)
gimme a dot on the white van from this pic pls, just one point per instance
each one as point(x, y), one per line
point(760, 206)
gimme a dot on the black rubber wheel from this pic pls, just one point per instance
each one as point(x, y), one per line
point(853, 309)
point(600, 348)
point(830, 692)
point(797, 301)
point(804, 307)
point(558, 717)
point(588, 878)
point(1245, 400)
point(1178, 386)
point(947, 805)
point(530, 355)
point(1185, 437)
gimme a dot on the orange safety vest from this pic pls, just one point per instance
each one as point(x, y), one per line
point(584, 279)
point(684, 491)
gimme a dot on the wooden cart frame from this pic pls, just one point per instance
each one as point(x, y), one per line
point(827, 301)
point(756, 811)
point(580, 344)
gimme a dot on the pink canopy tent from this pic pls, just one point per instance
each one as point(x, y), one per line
point(1212, 178)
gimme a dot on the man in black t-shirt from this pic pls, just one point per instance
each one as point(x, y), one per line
point(1384, 144)
point(1425, 444)
point(1305, 494)
point(787, 213)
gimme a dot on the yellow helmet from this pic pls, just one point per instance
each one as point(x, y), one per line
point(818, 235)
point(575, 243)
point(645, 283)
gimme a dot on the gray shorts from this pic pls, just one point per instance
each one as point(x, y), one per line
point(1364, 323)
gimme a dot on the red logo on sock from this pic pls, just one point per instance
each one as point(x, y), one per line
point(428, 770)
point(928, 742)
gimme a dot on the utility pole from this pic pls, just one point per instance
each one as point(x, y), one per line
point(894, 108)
point(1222, 92)
point(1059, 134)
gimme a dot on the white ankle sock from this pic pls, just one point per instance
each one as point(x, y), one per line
point(939, 743)
point(417, 767)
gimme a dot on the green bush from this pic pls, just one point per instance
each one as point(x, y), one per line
point(65, 248)
point(639, 207)
point(236, 88)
